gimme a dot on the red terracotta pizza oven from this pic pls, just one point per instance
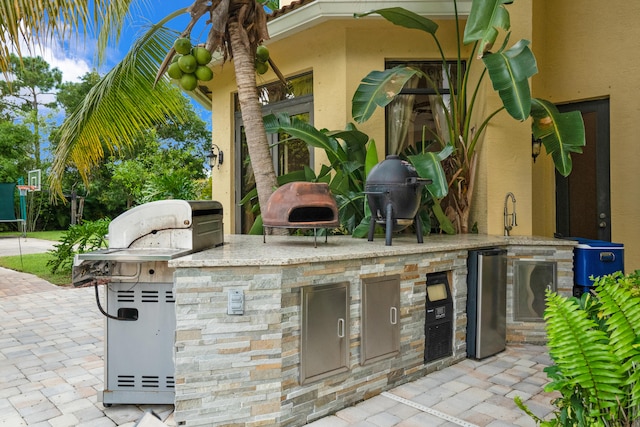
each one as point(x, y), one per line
point(301, 205)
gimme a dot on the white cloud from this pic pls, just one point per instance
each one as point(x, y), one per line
point(72, 68)
point(73, 62)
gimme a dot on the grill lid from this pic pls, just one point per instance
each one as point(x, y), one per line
point(150, 219)
point(392, 170)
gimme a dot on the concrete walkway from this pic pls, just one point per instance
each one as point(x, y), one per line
point(51, 368)
point(23, 245)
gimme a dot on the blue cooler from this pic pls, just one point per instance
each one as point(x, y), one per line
point(594, 258)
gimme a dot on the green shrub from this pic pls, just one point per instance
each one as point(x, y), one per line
point(594, 343)
point(86, 237)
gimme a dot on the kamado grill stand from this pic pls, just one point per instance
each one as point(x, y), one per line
point(139, 302)
point(394, 191)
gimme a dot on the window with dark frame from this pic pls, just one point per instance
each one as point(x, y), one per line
point(289, 155)
point(416, 118)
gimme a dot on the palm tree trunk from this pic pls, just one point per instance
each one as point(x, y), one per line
point(251, 111)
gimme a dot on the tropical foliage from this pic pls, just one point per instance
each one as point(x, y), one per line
point(135, 95)
point(351, 155)
point(119, 108)
point(509, 70)
point(165, 161)
point(594, 343)
point(86, 237)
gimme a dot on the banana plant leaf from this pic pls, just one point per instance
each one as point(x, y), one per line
point(355, 142)
point(561, 133)
point(404, 18)
point(485, 18)
point(378, 89)
point(509, 72)
point(304, 131)
point(371, 159)
point(428, 165)
point(443, 220)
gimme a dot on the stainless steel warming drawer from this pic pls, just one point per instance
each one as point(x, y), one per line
point(138, 294)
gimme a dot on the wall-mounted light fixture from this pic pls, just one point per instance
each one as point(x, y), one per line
point(536, 146)
point(215, 156)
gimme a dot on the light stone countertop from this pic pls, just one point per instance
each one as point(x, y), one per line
point(246, 250)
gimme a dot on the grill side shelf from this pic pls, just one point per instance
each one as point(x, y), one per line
point(133, 255)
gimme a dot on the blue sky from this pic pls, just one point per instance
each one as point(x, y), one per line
point(76, 59)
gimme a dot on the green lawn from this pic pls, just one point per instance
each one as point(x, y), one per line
point(35, 264)
point(54, 235)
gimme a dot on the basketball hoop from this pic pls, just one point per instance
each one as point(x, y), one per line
point(24, 188)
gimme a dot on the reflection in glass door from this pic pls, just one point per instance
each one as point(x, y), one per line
point(292, 154)
point(289, 155)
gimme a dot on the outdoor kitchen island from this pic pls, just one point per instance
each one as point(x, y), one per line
point(282, 333)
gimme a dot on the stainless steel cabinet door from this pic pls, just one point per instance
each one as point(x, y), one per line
point(325, 331)
point(380, 318)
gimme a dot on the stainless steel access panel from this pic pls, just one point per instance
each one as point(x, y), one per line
point(325, 331)
point(486, 302)
point(139, 364)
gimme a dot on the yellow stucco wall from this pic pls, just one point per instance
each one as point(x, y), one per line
point(586, 50)
point(505, 164)
point(341, 52)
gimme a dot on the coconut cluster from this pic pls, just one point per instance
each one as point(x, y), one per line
point(189, 65)
point(262, 58)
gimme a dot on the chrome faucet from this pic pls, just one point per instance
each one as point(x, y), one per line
point(509, 218)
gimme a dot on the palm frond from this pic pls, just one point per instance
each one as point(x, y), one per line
point(111, 15)
point(35, 23)
point(580, 351)
point(116, 110)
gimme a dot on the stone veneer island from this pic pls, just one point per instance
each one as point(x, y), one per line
point(248, 369)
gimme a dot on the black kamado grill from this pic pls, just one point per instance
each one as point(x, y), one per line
point(394, 190)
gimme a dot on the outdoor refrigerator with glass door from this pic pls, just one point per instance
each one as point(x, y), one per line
point(486, 302)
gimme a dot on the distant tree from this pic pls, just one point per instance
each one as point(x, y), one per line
point(15, 151)
point(165, 160)
point(30, 90)
point(135, 94)
point(159, 168)
point(27, 97)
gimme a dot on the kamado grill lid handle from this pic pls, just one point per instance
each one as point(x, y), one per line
point(414, 180)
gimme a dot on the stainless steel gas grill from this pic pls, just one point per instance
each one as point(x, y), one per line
point(138, 300)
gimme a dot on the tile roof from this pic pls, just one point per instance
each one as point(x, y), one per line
point(288, 8)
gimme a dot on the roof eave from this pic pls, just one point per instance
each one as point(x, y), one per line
point(319, 11)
